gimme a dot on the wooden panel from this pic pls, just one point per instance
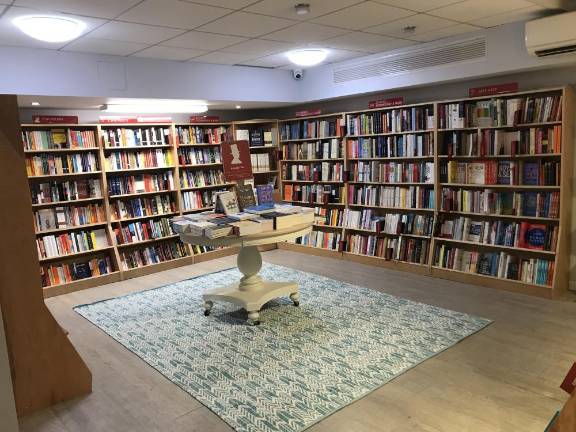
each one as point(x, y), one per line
point(46, 368)
point(153, 268)
point(78, 285)
point(566, 421)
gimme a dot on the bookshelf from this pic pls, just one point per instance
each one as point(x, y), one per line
point(312, 168)
point(481, 181)
point(262, 136)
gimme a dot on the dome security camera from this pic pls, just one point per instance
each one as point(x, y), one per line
point(297, 74)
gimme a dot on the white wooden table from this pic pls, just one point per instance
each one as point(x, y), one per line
point(251, 292)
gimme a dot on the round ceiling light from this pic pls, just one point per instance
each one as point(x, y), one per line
point(50, 28)
point(308, 56)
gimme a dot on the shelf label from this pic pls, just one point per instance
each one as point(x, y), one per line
point(236, 160)
point(308, 113)
point(133, 119)
point(385, 103)
point(569, 383)
point(51, 119)
point(205, 119)
point(493, 89)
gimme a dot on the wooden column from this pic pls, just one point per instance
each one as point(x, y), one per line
point(566, 421)
point(45, 366)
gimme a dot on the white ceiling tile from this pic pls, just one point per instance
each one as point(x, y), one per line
point(169, 53)
point(336, 55)
point(272, 61)
point(473, 9)
point(285, 8)
point(444, 33)
point(367, 42)
point(418, 5)
point(94, 8)
point(201, 40)
point(422, 22)
point(246, 24)
point(130, 32)
point(172, 13)
point(512, 16)
point(222, 58)
point(104, 46)
point(258, 47)
point(363, 15)
point(12, 36)
point(306, 33)
point(230, 4)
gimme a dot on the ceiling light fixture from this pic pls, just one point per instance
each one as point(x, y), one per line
point(238, 106)
point(50, 28)
point(35, 103)
point(307, 56)
point(302, 8)
point(156, 108)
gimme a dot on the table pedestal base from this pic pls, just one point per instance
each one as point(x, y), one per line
point(251, 292)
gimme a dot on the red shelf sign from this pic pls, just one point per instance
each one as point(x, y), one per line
point(493, 89)
point(47, 119)
point(133, 119)
point(308, 113)
point(236, 160)
point(385, 103)
point(204, 119)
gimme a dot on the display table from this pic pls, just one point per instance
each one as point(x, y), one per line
point(251, 292)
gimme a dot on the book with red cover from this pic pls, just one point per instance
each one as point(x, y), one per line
point(532, 236)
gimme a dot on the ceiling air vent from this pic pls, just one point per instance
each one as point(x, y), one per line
point(417, 59)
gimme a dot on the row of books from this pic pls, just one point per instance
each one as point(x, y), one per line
point(257, 137)
point(137, 136)
point(491, 172)
point(417, 197)
point(329, 216)
point(497, 264)
point(501, 112)
point(492, 202)
point(201, 178)
point(314, 194)
point(495, 142)
point(58, 139)
point(142, 207)
point(68, 217)
point(406, 249)
point(199, 156)
point(132, 184)
point(58, 274)
point(260, 162)
point(143, 230)
point(408, 145)
point(391, 121)
point(328, 149)
point(323, 171)
point(157, 253)
point(193, 200)
point(391, 172)
point(310, 128)
point(50, 246)
point(188, 135)
point(389, 223)
point(49, 164)
point(71, 190)
point(321, 239)
point(523, 234)
point(151, 158)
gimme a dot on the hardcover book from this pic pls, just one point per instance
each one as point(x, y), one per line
point(265, 194)
point(246, 196)
point(532, 236)
point(531, 173)
point(227, 203)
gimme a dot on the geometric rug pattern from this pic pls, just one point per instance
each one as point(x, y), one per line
point(300, 365)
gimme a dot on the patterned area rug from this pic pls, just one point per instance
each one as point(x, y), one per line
point(300, 365)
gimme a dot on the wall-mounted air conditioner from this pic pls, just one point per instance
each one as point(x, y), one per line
point(553, 35)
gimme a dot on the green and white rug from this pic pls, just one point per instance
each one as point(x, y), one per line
point(300, 365)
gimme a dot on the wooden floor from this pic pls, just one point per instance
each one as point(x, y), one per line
point(504, 378)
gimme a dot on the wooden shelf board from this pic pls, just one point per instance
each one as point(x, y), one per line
point(132, 170)
point(389, 133)
point(314, 181)
point(73, 255)
point(314, 203)
point(392, 184)
point(492, 246)
point(49, 176)
point(403, 209)
point(198, 145)
point(223, 185)
point(266, 172)
point(418, 268)
point(146, 242)
point(265, 147)
point(497, 186)
point(309, 139)
point(392, 158)
point(328, 226)
point(81, 284)
point(71, 228)
point(491, 215)
point(157, 267)
point(65, 203)
point(137, 194)
point(311, 160)
point(215, 164)
point(197, 210)
point(64, 150)
point(143, 217)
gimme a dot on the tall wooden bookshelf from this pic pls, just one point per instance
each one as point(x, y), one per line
point(262, 136)
point(552, 168)
point(310, 146)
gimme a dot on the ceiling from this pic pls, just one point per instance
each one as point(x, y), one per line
point(259, 32)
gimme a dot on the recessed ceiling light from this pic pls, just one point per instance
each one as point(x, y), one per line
point(238, 106)
point(35, 103)
point(302, 8)
point(307, 56)
point(50, 28)
point(156, 108)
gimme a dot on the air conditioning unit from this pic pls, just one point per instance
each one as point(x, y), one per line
point(553, 35)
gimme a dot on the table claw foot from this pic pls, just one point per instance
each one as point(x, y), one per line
point(208, 307)
point(253, 317)
point(295, 297)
